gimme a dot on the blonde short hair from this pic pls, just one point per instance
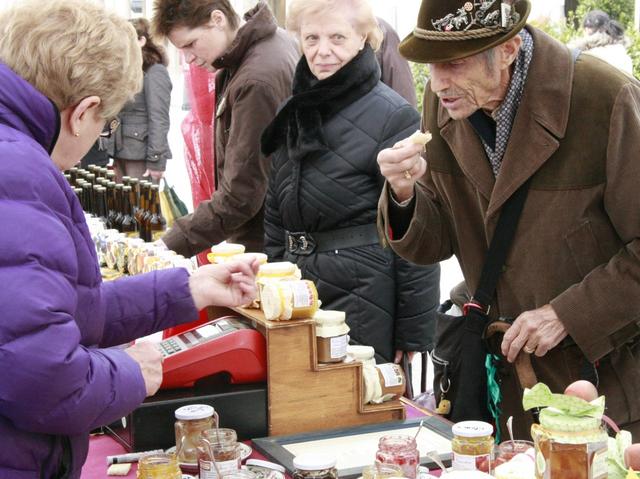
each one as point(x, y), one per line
point(364, 21)
point(72, 49)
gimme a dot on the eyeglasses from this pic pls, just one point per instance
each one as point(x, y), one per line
point(110, 128)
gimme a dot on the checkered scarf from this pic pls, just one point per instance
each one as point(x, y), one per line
point(506, 112)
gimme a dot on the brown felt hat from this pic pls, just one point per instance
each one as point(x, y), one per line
point(453, 29)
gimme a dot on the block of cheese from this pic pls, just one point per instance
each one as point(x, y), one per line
point(420, 138)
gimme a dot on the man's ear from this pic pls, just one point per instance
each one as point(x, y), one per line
point(509, 51)
point(85, 110)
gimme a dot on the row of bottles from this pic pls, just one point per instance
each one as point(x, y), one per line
point(131, 207)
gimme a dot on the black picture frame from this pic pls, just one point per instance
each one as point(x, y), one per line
point(274, 447)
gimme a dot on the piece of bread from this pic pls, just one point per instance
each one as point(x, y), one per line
point(420, 138)
point(119, 469)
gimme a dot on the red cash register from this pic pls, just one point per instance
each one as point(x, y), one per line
point(225, 345)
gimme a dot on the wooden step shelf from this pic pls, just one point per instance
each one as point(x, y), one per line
point(304, 395)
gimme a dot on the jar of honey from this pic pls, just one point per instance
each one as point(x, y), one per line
point(284, 300)
point(383, 382)
point(400, 450)
point(331, 336)
point(315, 466)
point(218, 453)
point(159, 466)
point(472, 446)
point(221, 253)
point(575, 449)
point(281, 270)
point(191, 421)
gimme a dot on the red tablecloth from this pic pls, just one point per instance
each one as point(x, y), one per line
point(102, 446)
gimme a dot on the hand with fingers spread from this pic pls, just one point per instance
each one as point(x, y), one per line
point(403, 165)
point(534, 332)
point(228, 284)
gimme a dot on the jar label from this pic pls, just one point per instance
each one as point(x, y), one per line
point(302, 294)
point(462, 462)
point(339, 347)
point(599, 467)
point(391, 375)
point(208, 470)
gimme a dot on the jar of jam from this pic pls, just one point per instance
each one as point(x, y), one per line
point(241, 474)
point(218, 453)
point(315, 466)
point(569, 448)
point(284, 300)
point(400, 450)
point(191, 421)
point(472, 446)
point(331, 336)
point(383, 382)
point(159, 466)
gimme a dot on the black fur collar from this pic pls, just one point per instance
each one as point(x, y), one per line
point(299, 122)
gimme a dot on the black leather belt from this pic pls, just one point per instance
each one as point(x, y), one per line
point(304, 244)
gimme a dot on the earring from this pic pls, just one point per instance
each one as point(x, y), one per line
point(77, 133)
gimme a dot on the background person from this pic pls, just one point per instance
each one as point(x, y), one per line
point(325, 182)
point(140, 146)
point(255, 60)
point(605, 39)
point(60, 378)
point(508, 104)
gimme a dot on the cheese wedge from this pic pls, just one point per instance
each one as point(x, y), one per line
point(119, 469)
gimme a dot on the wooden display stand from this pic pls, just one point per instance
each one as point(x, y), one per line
point(304, 395)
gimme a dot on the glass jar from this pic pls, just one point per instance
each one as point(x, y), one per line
point(570, 448)
point(331, 336)
point(240, 474)
point(284, 300)
point(507, 450)
point(191, 420)
point(472, 446)
point(314, 466)
point(264, 469)
point(400, 450)
point(218, 453)
point(383, 382)
point(382, 471)
point(221, 253)
point(159, 466)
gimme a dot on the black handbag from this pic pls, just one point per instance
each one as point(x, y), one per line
point(460, 356)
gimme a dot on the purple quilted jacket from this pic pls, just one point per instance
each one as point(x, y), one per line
point(58, 377)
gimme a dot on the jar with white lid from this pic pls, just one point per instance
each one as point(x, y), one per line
point(191, 420)
point(221, 253)
point(331, 336)
point(264, 469)
point(278, 271)
point(383, 382)
point(315, 466)
point(284, 300)
point(472, 446)
point(363, 354)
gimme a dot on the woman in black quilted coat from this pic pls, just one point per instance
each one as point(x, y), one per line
point(321, 204)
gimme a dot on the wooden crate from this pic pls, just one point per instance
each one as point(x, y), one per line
point(304, 395)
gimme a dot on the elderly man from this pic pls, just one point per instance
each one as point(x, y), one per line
point(507, 105)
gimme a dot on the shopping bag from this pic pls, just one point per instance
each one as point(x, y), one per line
point(165, 205)
point(175, 205)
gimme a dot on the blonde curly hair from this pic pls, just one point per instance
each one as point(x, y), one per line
point(72, 49)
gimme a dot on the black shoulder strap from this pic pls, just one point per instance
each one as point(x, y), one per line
point(499, 247)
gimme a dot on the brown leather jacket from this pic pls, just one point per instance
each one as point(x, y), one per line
point(254, 79)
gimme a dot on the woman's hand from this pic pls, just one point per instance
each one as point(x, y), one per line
point(227, 284)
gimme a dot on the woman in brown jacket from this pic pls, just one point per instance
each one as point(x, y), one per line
point(256, 60)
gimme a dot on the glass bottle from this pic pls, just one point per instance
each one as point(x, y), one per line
point(159, 466)
point(191, 421)
point(143, 211)
point(218, 453)
point(135, 186)
point(400, 450)
point(119, 202)
point(128, 225)
point(156, 225)
point(111, 175)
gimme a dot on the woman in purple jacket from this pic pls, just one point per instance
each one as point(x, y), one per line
point(66, 66)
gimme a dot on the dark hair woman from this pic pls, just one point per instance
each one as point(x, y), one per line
point(140, 147)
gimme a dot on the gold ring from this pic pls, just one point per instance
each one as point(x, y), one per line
point(529, 350)
point(407, 175)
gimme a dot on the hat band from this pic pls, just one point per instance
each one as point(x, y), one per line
point(456, 36)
